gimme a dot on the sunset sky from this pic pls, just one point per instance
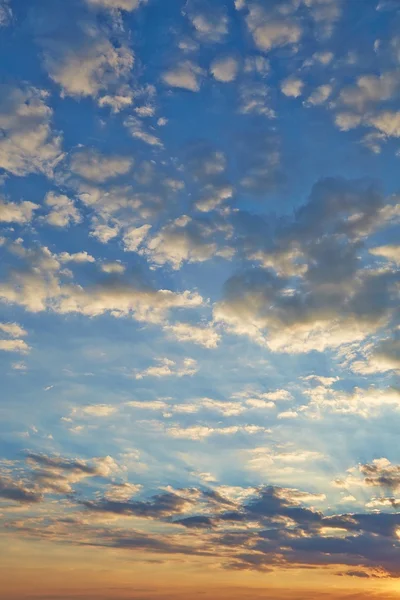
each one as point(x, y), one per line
point(199, 299)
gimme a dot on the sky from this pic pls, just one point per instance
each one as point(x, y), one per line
point(199, 299)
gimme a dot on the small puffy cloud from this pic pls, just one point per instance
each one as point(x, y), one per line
point(28, 144)
point(183, 240)
point(213, 196)
point(137, 130)
point(186, 75)
point(319, 95)
point(292, 87)
point(77, 257)
point(209, 20)
point(117, 102)
point(257, 64)
point(390, 251)
point(134, 237)
point(96, 167)
point(387, 122)
point(113, 268)
point(224, 69)
point(13, 331)
point(94, 410)
point(369, 90)
point(288, 414)
point(272, 31)
point(21, 213)
point(5, 13)
point(14, 346)
point(128, 5)
point(169, 368)
point(81, 55)
point(201, 432)
point(186, 332)
point(63, 210)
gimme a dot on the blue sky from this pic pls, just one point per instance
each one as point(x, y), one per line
point(199, 289)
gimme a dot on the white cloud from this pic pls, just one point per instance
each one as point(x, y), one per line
point(113, 268)
point(270, 31)
point(185, 75)
point(63, 210)
point(391, 252)
point(77, 257)
point(80, 55)
point(5, 13)
point(39, 288)
point(200, 432)
point(13, 329)
point(224, 69)
point(127, 5)
point(11, 212)
point(288, 414)
point(136, 129)
point(14, 346)
point(209, 20)
point(168, 368)
point(319, 95)
point(213, 196)
point(388, 122)
point(134, 237)
point(93, 166)
point(183, 240)
point(186, 332)
point(94, 410)
point(292, 87)
point(28, 144)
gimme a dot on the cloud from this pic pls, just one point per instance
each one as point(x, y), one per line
point(302, 314)
point(201, 432)
point(14, 346)
point(21, 213)
point(94, 410)
point(134, 237)
point(38, 287)
point(186, 332)
point(5, 13)
point(96, 167)
point(224, 69)
point(28, 144)
point(168, 368)
point(63, 211)
point(186, 240)
point(13, 331)
point(186, 75)
point(17, 491)
point(292, 87)
point(160, 506)
point(113, 268)
point(388, 122)
point(82, 54)
point(77, 257)
point(210, 22)
point(128, 5)
point(390, 251)
point(272, 31)
point(137, 130)
point(57, 475)
point(319, 95)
